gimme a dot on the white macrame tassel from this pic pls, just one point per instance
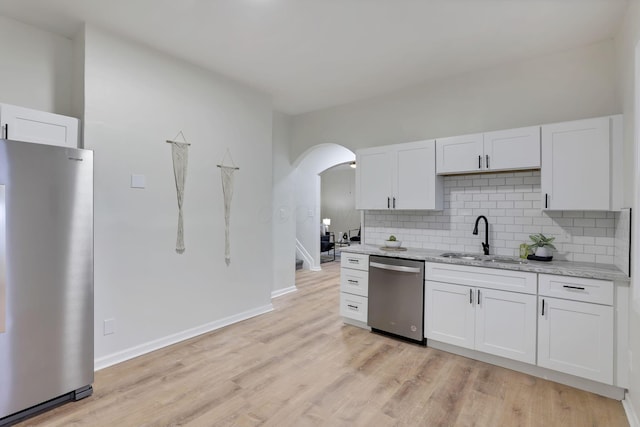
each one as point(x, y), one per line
point(227, 189)
point(180, 154)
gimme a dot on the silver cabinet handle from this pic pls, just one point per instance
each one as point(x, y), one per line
point(470, 296)
point(478, 296)
point(399, 268)
point(579, 288)
point(487, 162)
point(394, 203)
point(388, 202)
point(479, 162)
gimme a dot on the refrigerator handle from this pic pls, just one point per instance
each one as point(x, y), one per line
point(3, 263)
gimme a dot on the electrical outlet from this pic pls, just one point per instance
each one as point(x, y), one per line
point(109, 326)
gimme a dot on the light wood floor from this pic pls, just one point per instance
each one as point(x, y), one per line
point(301, 366)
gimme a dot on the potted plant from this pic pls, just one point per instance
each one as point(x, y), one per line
point(542, 245)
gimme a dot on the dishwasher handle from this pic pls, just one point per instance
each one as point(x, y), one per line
point(399, 268)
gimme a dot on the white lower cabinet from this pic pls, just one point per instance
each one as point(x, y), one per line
point(354, 288)
point(576, 337)
point(489, 320)
point(449, 313)
point(506, 324)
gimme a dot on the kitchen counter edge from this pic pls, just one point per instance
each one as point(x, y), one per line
point(562, 268)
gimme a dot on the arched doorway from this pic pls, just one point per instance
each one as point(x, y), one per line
point(307, 197)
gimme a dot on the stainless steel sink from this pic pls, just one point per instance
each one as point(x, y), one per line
point(484, 258)
point(505, 260)
point(458, 255)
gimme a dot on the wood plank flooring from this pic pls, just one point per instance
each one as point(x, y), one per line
point(301, 366)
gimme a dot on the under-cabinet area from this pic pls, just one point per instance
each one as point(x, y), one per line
point(543, 319)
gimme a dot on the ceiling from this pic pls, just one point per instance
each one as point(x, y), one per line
point(313, 54)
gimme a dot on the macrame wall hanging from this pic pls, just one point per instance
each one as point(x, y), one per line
point(227, 190)
point(180, 155)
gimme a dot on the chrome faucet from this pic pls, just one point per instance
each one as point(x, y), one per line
point(485, 244)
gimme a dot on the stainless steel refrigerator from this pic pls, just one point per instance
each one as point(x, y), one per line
point(46, 277)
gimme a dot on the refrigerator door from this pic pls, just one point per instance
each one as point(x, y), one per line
point(46, 344)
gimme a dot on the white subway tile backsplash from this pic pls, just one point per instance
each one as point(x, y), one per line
point(603, 259)
point(584, 257)
point(579, 222)
point(511, 203)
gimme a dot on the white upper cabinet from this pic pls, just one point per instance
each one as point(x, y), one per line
point(459, 154)
point(25, 124)
point(582, 165)
point(373, 178)
point(510, 149)
point(400, 176)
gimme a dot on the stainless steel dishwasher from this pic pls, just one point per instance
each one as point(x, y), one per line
point(396, 297)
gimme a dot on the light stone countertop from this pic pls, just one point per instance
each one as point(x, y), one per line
point(563, 268)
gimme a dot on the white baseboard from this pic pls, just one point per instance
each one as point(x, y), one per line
point(139, 350)
point(632, 416)
point(279, 292)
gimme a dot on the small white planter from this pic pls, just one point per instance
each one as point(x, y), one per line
point(543, 252)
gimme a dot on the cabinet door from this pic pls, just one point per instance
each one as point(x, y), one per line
point(416, 185)
point(575, 172)
point(25, 124)
point(576, 338)
point(459, 154)
point(373, 178)
point(449, 314)
point(512, 149)
point(506, 324)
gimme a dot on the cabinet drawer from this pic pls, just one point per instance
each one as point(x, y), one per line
point(353, 306)
point(576, 288)
point(354, 281)
point(506, 280)
point(357, 261)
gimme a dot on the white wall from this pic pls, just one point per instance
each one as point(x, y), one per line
point(628, 79)
point(284, 224)
point(36, 69)
point(135, 99)
point(77, 74)
point(569, 85)
point(338, 199)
